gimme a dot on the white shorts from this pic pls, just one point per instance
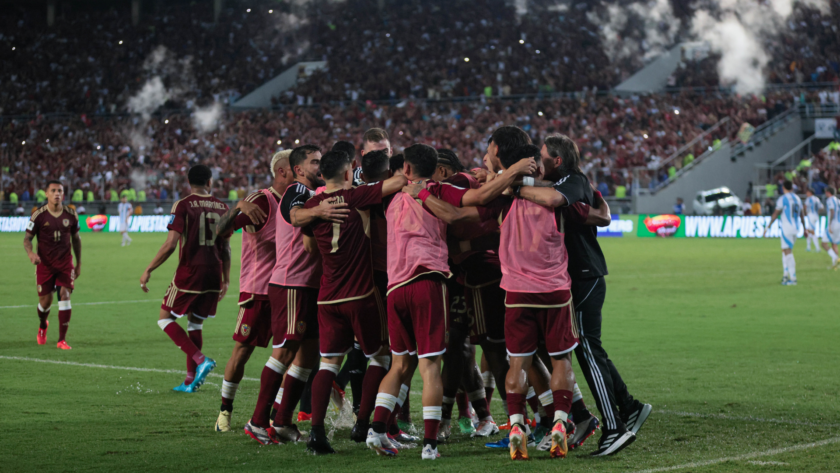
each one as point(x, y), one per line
point(832, 233)
point(788, 239)
point(813, 221)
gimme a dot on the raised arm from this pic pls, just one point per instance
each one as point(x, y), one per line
point(327, 210)
point(393, 184)
point(486, 193)
point(162, 255)
point(445, 211)
point(545, 196)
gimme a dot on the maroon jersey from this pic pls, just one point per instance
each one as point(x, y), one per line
point(199, 258)
point(345, 248)
point(54, 234)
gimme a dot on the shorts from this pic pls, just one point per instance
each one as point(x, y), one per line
point(812, 221)
point(460, 318)
point(531, 318)
point(294, 313)
point(49, 279)
point(788, 239)
point(180, 303)
point(832, 233)
point(363, 320)
point(253, 326)
point(418, 317)
point(487, 305)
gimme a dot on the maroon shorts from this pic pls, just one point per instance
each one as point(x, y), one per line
point(253, 326)
point(487, 305)
point(294, 313)
point(460, 317)
point(531, 318)
point(418, 318)
point(48, 279)
point(364, 320)
point(180, 303)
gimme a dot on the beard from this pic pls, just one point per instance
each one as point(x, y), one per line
point(316, 180)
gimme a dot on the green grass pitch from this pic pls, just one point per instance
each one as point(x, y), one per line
point(742, 372)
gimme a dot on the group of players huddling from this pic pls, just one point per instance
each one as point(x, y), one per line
point(406, 262)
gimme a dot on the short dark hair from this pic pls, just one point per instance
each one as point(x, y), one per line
point(564, 147)
point(199, 175)
point(787, 185)
point(423, 158)
point(523, 152)
point(346, 147)
point(831, 190)
point(375, 135)
point(811, 190)
point(300, 154)
point(374, 164)
point(334, 163)
point(508, 138)
point(397, 162)
point(447, 157)
point(55, 181)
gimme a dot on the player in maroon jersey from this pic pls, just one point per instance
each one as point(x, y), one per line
point(349, 305)
point(203, 273)
point(57, 230)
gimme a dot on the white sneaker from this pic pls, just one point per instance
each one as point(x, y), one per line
point(429, 453)
point(486, 428)
point(381, 444)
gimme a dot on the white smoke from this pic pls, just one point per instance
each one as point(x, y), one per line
point(151, 97)
point(737, 30)
point(206, 119)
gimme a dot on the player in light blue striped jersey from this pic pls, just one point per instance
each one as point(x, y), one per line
point(832, 231)
point(812, 218)
point(789, 213)
point(125, 212)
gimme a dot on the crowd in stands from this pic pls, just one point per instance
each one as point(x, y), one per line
point(614, 134)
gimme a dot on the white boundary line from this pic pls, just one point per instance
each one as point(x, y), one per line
point(746, 456)
point(110, 367)
point(82, 303)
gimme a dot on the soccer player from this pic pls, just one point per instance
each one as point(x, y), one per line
point(203, 274)
point(57, 230)
point(832, 231)
point(293, 294)
point(789, 207)
point(623, 415)
point(812, 216)
point(349, 305)
point(256, 214)
point(125, 212)
point(350, 150)
point(417, 299)
point(538, 299)
point(376, 139)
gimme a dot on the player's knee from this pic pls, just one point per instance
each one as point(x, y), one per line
point(383, 361)
point(163, 323)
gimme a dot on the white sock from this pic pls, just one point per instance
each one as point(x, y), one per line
point(431, 412)
point(330, 367)
point(830, 253)
point(785, 272)
point(387, 401)
point(403, 395)
point(297, 372)
point(560, 415)
point(791, 265)
point(192, 326)
point(517, 419)
point(229, 389)
point(488, 380)
point(576, 394)
point(275, 365)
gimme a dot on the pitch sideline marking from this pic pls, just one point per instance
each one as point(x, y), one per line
point(746, 456)
point(81, 303)
point(110, 367)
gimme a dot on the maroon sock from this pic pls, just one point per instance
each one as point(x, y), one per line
point(579, 411)
point(270, 381)
point(42, 317)
point(321, 390)
point(488, 394)
point(562, 401)
point(195, 336)
point(548, 420)
point(534, 403)
point(370, 387)
point(516, 403)
point(384, 415)
point(463, 405)
point(292, 391)
point(63, 323)
point(430, 429)
point(482, 408)
point(179, 336)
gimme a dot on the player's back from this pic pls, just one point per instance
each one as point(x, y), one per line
point(791, 207)
point(199, 257)
point(832, 203)
point(346, 247)
point(812, 204)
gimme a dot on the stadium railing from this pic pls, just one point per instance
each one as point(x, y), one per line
point(763, 132)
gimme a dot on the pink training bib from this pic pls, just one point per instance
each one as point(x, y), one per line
point(416, 239)
point(532, 250)
point(259, 252)
point(294, 266)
